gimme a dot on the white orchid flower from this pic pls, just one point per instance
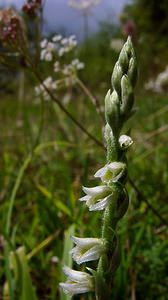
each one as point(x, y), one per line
point(125, 142)
point(77, 282)
point(87, 249)
point(97, 198)
point(111, 172)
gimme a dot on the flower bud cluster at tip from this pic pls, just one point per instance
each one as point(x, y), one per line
point(119, 103)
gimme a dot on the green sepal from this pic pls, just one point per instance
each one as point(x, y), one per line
point(116, 78)
point(112, 111)
point(132, 71)
point(127, 96)
point(112, 144)
point(125, 55)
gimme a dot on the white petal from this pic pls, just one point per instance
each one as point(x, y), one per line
point(94, 191)
point(92, 254)
point(42, 54)
point(48, 56)
point(84, 242)
point(85, 198)
point(44, 43)
point(101, 172)
point(76, 276)
point(100, 205)
point(57, 38)
point(114, 166)
point(75, 288)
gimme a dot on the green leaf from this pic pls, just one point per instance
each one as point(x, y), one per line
point(59, 204)
point(62, 207)
point(44, 191)
point(67, 259)
point(20, 267)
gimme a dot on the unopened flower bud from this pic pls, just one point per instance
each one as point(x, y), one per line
point(116, 78)
point(127, 96)
point(132, 71)
point(112, 110)
point(125, 142)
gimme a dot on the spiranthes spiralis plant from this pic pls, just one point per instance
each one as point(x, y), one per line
point(111, 196)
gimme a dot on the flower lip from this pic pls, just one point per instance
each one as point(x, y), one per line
point(93, 191)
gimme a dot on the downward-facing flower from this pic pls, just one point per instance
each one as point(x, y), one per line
point(87, 249)
point(112, 172)
point(97, 198)
point(77, 282)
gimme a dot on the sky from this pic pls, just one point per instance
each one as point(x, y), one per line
point(59, 15)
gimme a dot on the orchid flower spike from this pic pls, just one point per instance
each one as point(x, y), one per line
point(98, 197)
point(111, 196)
point(77, 282)
point(87, 249)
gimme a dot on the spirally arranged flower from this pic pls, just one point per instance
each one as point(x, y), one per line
point(111, 172)
point(87, 249)
point(98, 197)
point(77, 282)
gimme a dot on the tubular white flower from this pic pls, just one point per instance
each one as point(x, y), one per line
point(111, 172)
point(87, 249)
point(77, 282)
point(97, 198)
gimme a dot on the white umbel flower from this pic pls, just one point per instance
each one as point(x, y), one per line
point(97, 198)
point(77, 282)
point(111, 172)
point(87, 249)
point(83, 5)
